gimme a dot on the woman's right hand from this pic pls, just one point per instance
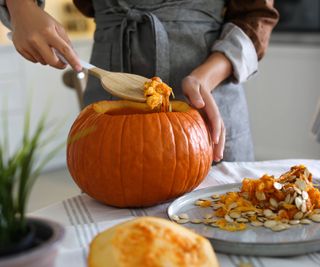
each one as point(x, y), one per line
point(35, 33)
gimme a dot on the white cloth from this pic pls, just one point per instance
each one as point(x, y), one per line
point(83, 217)
point(233, 43)
point(239, 49)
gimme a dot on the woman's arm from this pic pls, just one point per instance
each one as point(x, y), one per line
point(256, 18)
point(35, 33)
point(243, 41)
point(197, 88)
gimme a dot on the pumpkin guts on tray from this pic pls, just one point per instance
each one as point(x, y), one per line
point(275, 203)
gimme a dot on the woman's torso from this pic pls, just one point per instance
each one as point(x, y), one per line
point(166, 39)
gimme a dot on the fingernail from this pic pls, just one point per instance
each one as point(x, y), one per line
point(200, 103)
point(78, 68)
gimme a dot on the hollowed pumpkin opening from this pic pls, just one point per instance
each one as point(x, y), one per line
point(123, 107)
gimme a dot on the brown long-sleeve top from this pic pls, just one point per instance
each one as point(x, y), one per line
point(256, 18)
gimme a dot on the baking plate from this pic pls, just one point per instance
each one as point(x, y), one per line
point(255, 241)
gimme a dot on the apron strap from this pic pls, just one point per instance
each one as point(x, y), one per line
point(130, 20)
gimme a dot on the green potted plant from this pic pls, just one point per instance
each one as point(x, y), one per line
point(25, 241)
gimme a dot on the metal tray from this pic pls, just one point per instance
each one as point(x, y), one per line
point(255, 241)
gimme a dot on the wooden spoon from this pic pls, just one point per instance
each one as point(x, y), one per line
point(123, 85)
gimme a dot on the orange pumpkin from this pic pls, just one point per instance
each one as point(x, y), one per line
point(124, 155)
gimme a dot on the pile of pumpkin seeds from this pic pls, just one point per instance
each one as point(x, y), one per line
point(264, 214)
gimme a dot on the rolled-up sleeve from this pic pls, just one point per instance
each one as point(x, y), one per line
point(245, 36)
point(4, 13)
point(239, 49)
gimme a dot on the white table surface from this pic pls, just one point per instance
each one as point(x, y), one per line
point(84, 217)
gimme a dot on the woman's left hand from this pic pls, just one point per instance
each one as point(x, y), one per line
point(200, 97)
point(197, 87)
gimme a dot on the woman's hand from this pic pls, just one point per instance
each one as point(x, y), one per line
point(197, 88)
point(35, 33)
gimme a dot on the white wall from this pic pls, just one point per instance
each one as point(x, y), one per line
point(282, 100)
point(20, 80)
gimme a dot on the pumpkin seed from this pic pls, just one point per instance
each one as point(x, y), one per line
point(233, 205)
point(268, 213)
point(287, 199)
point(196, 221)
point(297, 190)
point(256, 224)
point(214, 225)
point(315, 217)
point(273, 216)
point(278, 228)
point(260, 195)
point(305, 221)
point(208, 221)
point(295, 194)
point(217, 206)
point(184, 216)
point(182, 221)
point(215, 196)
point(305, 195)
point(250, 213)
point(242, 220)
point(228, 218)
point(273, 202)
point(304, 206)
point(270, 224)
point(198, 202)
point(234, 215)
point(292, 199)
point(298, 215)
point(208, 216)
point(298, 201)
point(301, 184)
point(294, 222)
point(316, 211)
point(306, 173)
point(261, 219)
point(175, 217)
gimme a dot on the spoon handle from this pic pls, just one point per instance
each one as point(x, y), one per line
point(86, 65)
point(92, 69)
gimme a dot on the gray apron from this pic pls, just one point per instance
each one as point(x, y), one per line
point(167, 39)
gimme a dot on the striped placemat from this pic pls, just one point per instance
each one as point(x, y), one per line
point(84, 217)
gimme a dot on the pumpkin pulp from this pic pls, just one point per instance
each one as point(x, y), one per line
point(157, 94)
point(123, 107)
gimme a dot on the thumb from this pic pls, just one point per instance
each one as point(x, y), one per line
point(191, 89)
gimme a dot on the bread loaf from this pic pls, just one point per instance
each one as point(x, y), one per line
point(150, 242)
